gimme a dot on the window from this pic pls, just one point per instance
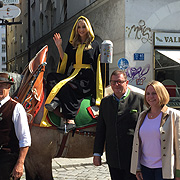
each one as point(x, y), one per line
point(3, 37)
point(41, 25)
point(16, 66)
point(2, 26)
point(167, 67)
point(21, 42)
point(3, 48)
point(34, 30)
point(15, 34)
point(3, 60)
point(40, 6)
point(32, 3)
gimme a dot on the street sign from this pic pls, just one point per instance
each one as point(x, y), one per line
point(10, 1)
point(9, 12)
point(139, 56)
point(123, 63)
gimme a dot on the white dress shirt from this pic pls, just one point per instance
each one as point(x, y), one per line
point(20, 121)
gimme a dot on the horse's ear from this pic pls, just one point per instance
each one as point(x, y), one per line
point(17, 81)
point(39, 59)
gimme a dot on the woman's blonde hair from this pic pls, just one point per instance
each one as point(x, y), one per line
point(161, 92)
point(77, 40)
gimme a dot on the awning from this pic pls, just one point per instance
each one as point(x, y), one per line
point(173, 54)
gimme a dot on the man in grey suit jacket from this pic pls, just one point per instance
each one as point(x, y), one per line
point(117, 120)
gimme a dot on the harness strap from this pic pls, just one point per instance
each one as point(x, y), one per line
point(86, 133)
point(62, 146)
point(65, 137)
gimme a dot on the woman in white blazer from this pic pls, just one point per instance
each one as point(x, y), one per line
point(156, 145)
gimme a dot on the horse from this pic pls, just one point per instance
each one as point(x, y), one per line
point(50, 142)
point(46, 145)
point(46, 142)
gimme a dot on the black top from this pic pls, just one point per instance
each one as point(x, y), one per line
point(86, 78)
point(115, 128)
point(80, 87)
point(8, 138)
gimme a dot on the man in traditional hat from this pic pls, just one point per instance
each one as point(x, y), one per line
point(15, 136)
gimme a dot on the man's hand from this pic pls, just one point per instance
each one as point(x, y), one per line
point(18, 170)
point(139, 175)
point(97, 160)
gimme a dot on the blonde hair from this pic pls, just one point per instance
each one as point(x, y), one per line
point(77, 40)
point(161, 92)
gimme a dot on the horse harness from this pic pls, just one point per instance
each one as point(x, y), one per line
point(65, 136)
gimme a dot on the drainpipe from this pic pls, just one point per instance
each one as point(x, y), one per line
point(65, 10)
point(29, 32)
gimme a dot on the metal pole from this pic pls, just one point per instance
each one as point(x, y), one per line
point(1, 4)
point(6, 50)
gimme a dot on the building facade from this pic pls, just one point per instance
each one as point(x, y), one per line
point(152, 45)
point(17, 40)
point(50, 16)
point(145, 36)
point(2, 48)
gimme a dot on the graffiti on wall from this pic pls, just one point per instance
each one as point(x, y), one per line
point(141, 32)
point(137, 74)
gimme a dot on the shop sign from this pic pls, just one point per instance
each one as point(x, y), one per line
point(9, 12)
point(10, 1)
point(167, 39)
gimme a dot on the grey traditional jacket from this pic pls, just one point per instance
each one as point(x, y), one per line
point(170, 143)
point(115, 128)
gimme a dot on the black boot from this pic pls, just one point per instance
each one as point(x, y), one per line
point(67, 127)
point(52, 106)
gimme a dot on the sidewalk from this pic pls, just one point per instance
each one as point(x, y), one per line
point(70, 162)
point(78, 169)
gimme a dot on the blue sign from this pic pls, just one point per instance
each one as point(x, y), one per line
point(123, 63)
point(139, 56)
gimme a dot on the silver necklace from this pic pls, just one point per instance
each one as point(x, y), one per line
point(151, 116)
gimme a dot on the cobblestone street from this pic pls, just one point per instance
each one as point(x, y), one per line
point(78, 169)
point(83, 172)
